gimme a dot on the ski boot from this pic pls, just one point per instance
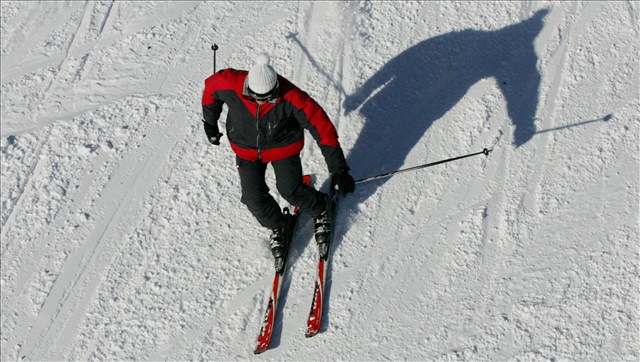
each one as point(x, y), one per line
point(323, 226)
point(279, 242)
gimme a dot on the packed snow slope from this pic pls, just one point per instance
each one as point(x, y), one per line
point(123, 236)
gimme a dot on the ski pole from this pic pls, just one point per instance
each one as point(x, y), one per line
point(214, 139)
point(485, 152)
point(214, 47)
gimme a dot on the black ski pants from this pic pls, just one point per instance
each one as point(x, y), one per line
point(288, 172)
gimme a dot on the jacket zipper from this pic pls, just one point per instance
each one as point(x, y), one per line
point(258, 131)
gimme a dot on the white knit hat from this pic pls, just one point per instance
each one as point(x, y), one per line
point(262, 76)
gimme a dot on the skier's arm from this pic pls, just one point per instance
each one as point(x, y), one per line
point(313, 118)
point(211, 109)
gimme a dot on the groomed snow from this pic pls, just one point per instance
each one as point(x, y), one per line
point(122, 232)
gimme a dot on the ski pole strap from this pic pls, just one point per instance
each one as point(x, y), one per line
point(485, 152)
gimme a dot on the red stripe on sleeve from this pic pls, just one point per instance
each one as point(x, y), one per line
point(207, 95)
point(316, 116)
point(230, 79)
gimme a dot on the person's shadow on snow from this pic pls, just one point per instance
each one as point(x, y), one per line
point(421, 84)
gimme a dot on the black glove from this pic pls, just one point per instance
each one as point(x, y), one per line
point(344, 182)
point(213, 135)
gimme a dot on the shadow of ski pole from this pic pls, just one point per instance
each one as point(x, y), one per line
point(606, 118)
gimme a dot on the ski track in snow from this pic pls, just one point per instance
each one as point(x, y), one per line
point(123, 236)
point(43, 100)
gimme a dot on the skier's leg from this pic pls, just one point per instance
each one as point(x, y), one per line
point(255, 194)
point(289, 184)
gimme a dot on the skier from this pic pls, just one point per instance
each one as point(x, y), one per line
point(264, 125)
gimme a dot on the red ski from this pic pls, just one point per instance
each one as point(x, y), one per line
point(270, 315)
point(315, 315)
point(314, 321)
point(266, 331)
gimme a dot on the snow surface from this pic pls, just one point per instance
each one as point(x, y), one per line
point(122, 232)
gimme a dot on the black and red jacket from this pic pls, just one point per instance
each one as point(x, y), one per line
point(274, 130)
